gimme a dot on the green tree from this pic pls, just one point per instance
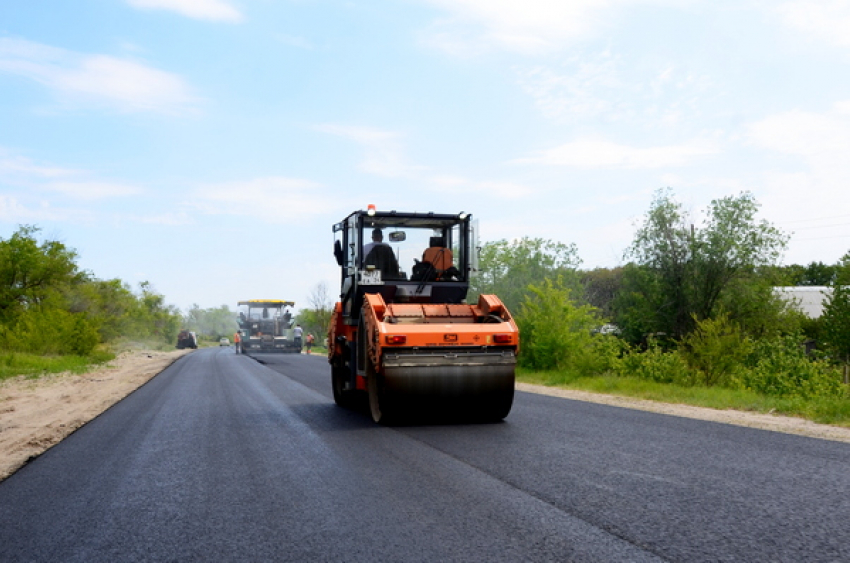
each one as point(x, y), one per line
point(31, 272)
point(815, 273)
point(835, 322)
point(559, 334)
point(316, 319)
point(213, 323)
point(687, 271)
point(153, 317)
point(110, 304)
point(506, 269)
point(716, 349)
point(601, 287)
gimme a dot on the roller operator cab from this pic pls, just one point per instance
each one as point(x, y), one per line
point(403, 334)
point(266, 325)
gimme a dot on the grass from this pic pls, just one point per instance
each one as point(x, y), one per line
point(32, 366)
point(824, 410)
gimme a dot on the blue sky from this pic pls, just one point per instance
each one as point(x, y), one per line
point(207, 146)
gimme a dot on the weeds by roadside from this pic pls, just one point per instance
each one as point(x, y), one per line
point(32, 366)
point(824, 410)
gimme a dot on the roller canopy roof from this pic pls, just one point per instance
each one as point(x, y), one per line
point(412, 220)
point(267, 303)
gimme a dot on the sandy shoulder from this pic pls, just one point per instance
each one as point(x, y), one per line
point(36, 414)
point(776, 423)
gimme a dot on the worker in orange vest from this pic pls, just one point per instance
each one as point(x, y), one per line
point(237, 341)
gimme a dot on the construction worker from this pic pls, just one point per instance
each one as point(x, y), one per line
point(237, 342)
point(297, 334)
point(309, 341)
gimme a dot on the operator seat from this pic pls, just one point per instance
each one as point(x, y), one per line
point(383, 258)
point(438, 256)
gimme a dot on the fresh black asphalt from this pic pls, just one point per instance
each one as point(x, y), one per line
point(223, 458)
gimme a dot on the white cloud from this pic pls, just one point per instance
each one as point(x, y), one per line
point(811, 180)
point(529, 26)
point(383, 154)
point(216, 10)
point(169, 219)
point(605, 85)
point(13, 210)
point(92, 190)
point(825, 19)
point(583, 92)
point(125, 84)
point(591, 153)
point(821, 139)
point(14, 167)
point(274, 199)
point(34, 177)
point(500, 190)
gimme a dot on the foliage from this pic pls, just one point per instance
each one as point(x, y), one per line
point(34, 365)
point(686, 272)
point(316, 319)
point(815, 273)
point(780, 367)
point(656, 365)
point(213, 323)
point(507, 268)
point(758, 310)
point(50, 331)
point(835, 322)
point(49, 307)
point(31, 272)
point(716, 349)
point(558, 334)
point(154, 318)
point(636, 305)
point(601, 286)
point(826, 410)
point(110, 304)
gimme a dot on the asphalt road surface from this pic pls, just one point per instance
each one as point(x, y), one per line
point(223, 458)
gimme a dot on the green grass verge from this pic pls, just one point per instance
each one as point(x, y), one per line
point(31, 366)
point(825, 410)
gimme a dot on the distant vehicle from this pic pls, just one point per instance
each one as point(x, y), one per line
point(186, 339)
point(266, 326)
point(224, 342)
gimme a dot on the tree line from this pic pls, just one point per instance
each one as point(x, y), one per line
point(49, 306)
point(694, 303)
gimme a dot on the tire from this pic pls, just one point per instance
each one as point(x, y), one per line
point(498, 406)
point(380, 404)
point(342, 397)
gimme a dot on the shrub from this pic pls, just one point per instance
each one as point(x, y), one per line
point(780, 367)
point(715, 350)
point(51, 331)
point(656, 365)
point(557, 333)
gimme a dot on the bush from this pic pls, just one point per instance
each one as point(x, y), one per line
point(656, 365)
point(781, 368)
point(51, 332)
point(716, 349)
point(557, 333)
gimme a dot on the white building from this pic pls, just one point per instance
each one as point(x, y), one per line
point(808, 299)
